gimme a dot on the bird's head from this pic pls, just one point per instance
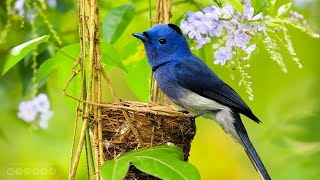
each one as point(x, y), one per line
point(163, 43)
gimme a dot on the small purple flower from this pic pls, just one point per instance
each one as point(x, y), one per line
point(227, 11)
point(208, 23)
point(194, 27)
point(197, 16)
point(184, 26)
point(202, 41)
point(222, 55)
point(248, 11)
point(239, 40)
point(215, 28)
point(212, 13)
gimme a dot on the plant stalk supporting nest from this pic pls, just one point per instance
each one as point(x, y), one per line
point(163, 16)
point(90, 94)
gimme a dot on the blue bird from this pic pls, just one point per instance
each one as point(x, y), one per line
point(192, 85)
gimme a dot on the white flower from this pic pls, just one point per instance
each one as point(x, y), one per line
point(249, 50)
point(19, 6)
point(42, 102)
point(260, 28)
point(36, 107)
point(27, 111)
point(257, 17)
point(44, 119)
point(52, 3)
point(222, 55)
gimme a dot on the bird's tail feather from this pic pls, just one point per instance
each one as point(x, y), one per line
point(251, 152)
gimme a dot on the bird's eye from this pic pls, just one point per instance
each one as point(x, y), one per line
point(162, 41)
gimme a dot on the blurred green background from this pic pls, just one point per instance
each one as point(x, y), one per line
point(288, 140)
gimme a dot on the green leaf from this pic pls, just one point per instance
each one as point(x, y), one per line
point(236, 4)
point(19, 52)
point(110, 55)
point(182, 16)
point(113, 170)
point(57, 60)
point(45, 68)
point(116, 21)
point(259, 5)
point(165, 162)
point(166, 168)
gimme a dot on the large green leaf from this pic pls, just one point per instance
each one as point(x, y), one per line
point(110, 55)
point(113, 170)
point(165, 162)
point(59, 59)
point(17, 53)
point(116, 21)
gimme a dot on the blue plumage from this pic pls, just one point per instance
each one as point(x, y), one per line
point(191, 84)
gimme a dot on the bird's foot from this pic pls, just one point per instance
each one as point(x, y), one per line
point(184, 111)
point(193, 116)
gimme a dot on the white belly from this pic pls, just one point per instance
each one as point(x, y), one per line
point(195, 103)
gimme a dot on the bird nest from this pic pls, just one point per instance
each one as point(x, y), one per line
point(155, 124)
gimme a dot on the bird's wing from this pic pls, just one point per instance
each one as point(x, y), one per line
point(198, 77)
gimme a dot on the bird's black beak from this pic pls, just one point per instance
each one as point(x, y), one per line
point(142, 36)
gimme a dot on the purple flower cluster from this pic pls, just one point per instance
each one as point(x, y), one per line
point(216, 22)
point(38, 106)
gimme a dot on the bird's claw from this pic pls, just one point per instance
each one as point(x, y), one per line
point(184, 111)
point(193, 116)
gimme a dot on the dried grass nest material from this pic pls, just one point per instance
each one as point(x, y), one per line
point(156, 125)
